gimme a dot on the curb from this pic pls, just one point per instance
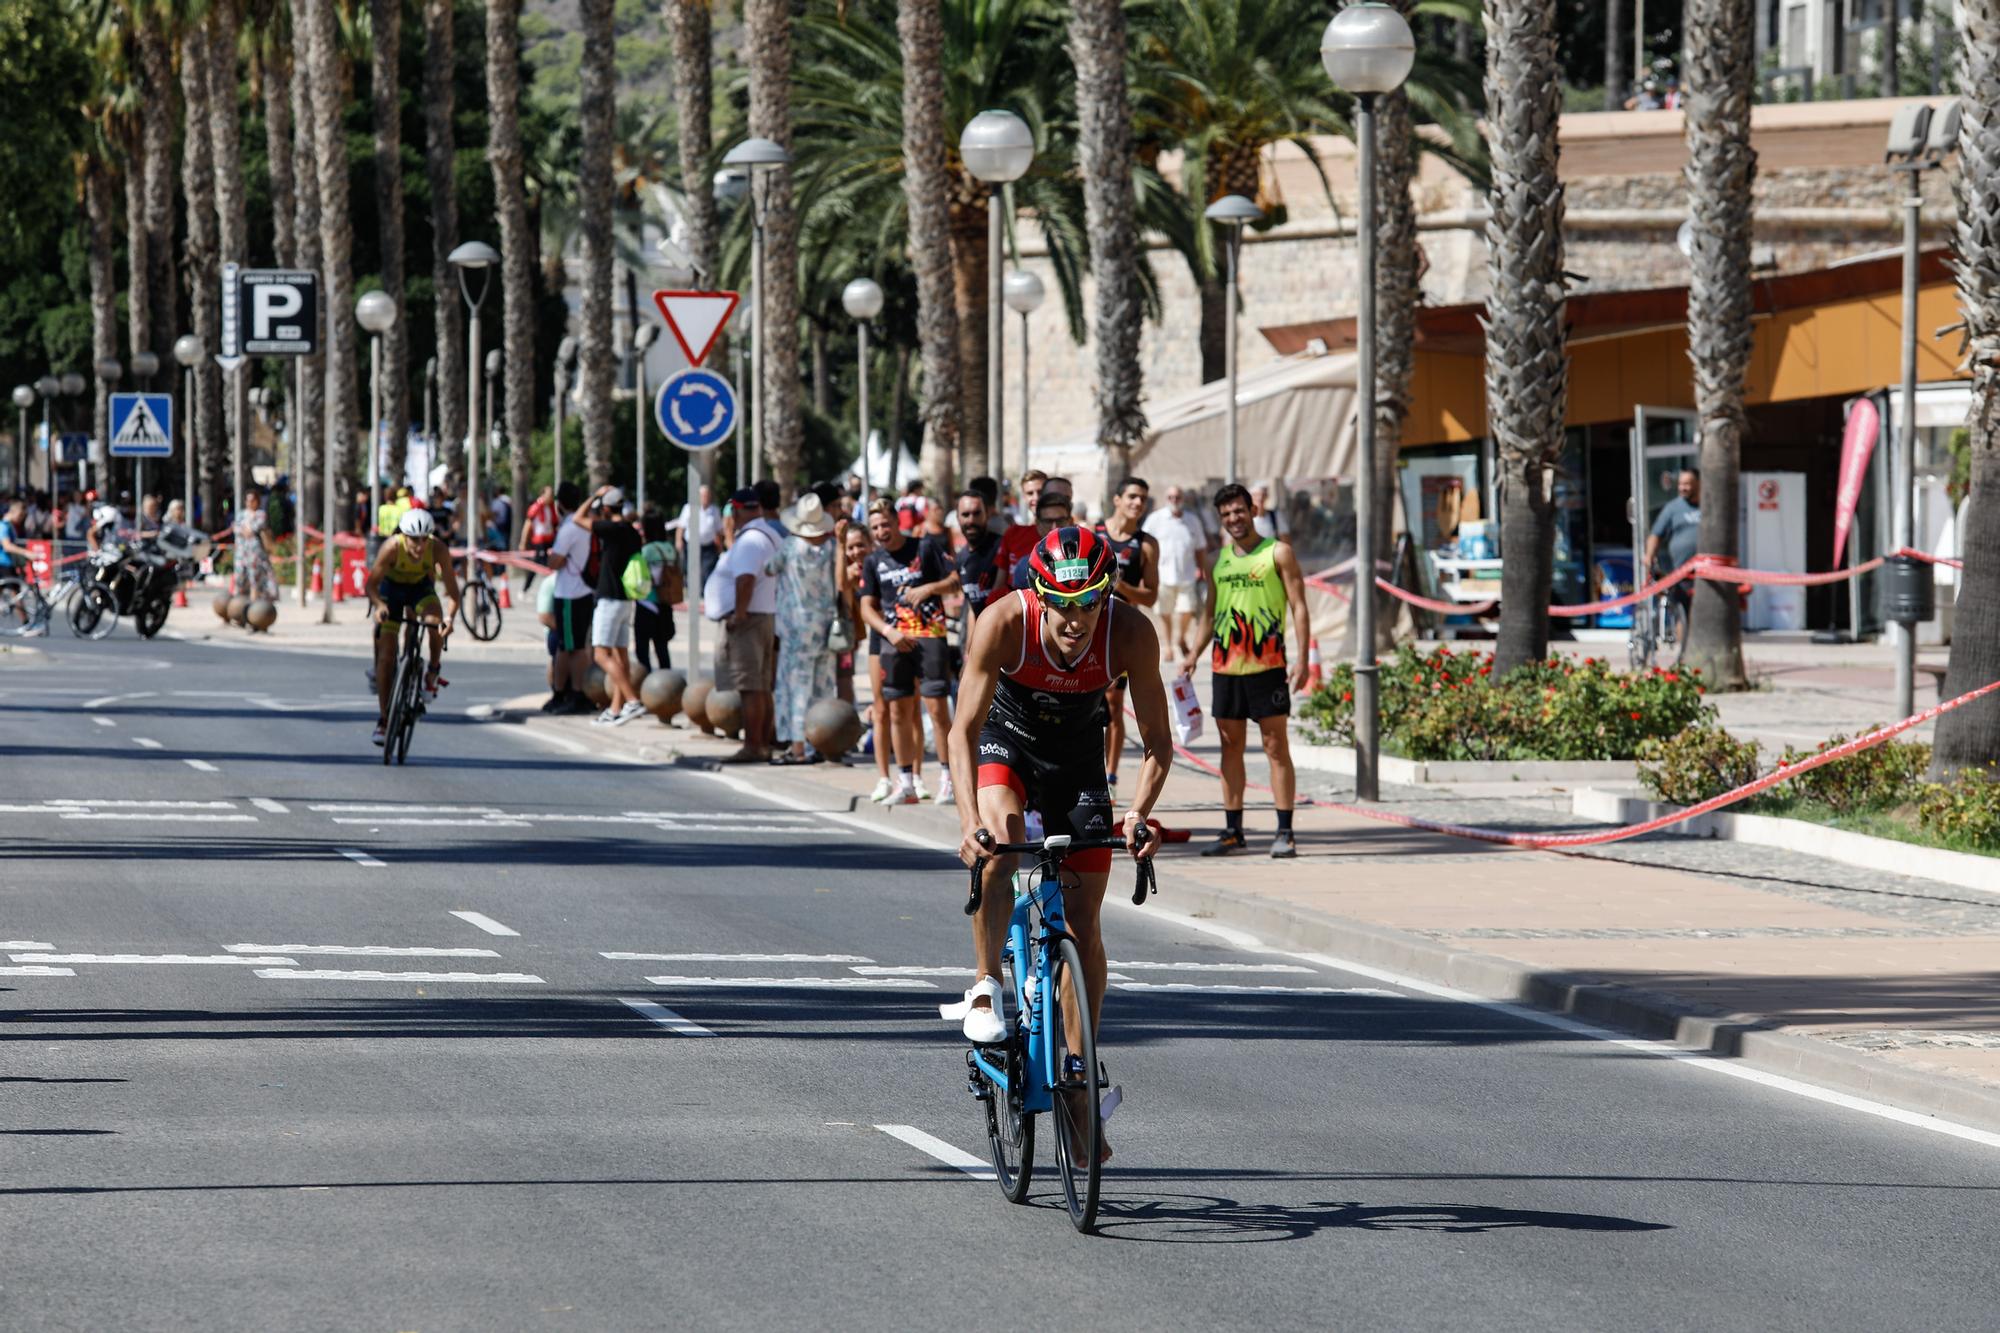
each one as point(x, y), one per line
point(1697, 1029)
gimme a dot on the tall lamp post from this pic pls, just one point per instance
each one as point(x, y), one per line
point(375, 312)
point(1367, 50)
point(1232, 211)
point(109, 370)
point(757, 156)
point(24, 398)
point(470, 258)
point(565, 357)
point(187, 355)
point(48, 386)
point(73, 386)
point(489, 440)
point(862, 300)
point(997, 148)
point(1920, 137)
point(1024, 293)
point(644, 335)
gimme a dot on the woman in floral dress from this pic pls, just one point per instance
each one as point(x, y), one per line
point(254, 577)
point(809, 574)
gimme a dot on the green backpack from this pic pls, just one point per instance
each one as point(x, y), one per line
point(637, 580)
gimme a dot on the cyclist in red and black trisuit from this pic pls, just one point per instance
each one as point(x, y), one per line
point(1030, 724)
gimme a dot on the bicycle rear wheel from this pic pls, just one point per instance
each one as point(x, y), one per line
point(93, 613)
point(481, 613)
point(1078, 1125)
point(394, 744)
point(1010, 1132)
point(17, 606)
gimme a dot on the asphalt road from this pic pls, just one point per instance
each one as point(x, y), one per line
point(293, 1040)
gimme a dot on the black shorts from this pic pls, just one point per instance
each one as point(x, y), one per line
point(1248, 698)
point(1066, 786)
point(925, 670)
point(573, 622)
point(415, 598)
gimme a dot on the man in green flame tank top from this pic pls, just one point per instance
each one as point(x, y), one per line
point(1259, 592)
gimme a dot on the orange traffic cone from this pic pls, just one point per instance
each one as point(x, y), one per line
point(506, 597)
point(319, 580)
point(339, 587)
point(1313, 676)
point(180, 594)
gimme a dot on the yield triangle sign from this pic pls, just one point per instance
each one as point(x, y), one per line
point(696, 319)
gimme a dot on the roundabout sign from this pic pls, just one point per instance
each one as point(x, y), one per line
point(696, 409)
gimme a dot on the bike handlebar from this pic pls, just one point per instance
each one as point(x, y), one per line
point(1145, 883)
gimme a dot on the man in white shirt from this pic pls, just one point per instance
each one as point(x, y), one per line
point(1267, 521)
point(706, 539)
point(1183, 544)
point(748, 661)
point(575, 604)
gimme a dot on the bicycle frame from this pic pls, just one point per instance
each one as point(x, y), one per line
point(1045, 898)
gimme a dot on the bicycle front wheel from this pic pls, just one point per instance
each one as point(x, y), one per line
point(93, 612)
point(1078, 1125)
point(1010, 1131)
point(395, 741)
point(481, 613)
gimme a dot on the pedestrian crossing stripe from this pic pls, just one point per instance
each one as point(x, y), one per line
point(141, 425)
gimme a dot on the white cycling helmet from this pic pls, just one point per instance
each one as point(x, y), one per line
point(416, 523)
point(103, 514)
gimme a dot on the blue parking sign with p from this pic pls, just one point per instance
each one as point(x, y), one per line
point(696, 409)
point(142, 425)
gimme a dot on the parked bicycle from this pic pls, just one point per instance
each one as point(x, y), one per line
point(1659, 625)
point(479, 607)
point(1048, 1063)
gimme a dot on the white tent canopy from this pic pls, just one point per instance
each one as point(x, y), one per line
point(879, 465)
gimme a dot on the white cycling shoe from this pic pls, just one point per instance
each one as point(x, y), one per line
point(982, 1027)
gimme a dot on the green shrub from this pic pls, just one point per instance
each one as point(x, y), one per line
point(1445, 705)
point(1880, 777)
point(1964, 810)
point(1695, 764)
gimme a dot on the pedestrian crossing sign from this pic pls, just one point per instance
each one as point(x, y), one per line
point(142, 425)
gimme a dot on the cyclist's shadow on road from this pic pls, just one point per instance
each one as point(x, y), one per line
point(1213, 1220)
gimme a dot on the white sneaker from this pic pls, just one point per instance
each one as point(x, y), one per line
point(919, 791)
point(628, 712)
point(945, 794)
point(884, 789)
point(907, 794)
point(982, 1027)
point(607, 718)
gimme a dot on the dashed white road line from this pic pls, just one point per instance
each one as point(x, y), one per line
point(104, 721)
point(364, 950)
point(794, 983)
point(1214, 967)
point(359, 857)
point(936, 1147)
point(435, 822)
point(270, 806)
point(169, 959)
point(868, 826)
point(160, 816)
point(665, 1017)
point(37, 971)
point(147, 743)
point(83, 803)
point(735, 957)
point(1201, 988)
point(104, 699)
point(340, 974)
point(26, 945)
point(201, 766)
point(485, 923)
point(349, 808)
point(920, 971)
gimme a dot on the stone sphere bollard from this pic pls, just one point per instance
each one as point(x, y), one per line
point(832, 727)
point(662, 693)
point(239, 608)
point(694, 702)
point(222, 607)
point(261, 614)
point(725, 712)
point(597, 688)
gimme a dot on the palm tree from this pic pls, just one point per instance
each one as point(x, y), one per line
point(386, 92)
point(769, 57)
point(1614, 53)
point(156, 119)
point(272, 45)
point(225, 118)
point(693, 92)
point(1527, 363)
point(927, 186)
point(309, 414)
point(202, 264)
point(597, 114)
point(517, 239)
point(325, 60)
point(1970, 737)
point(440, 154)
point(94, 177)
point(1720, 87)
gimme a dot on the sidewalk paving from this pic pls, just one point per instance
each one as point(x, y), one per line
point(1880, 986)
point(300, 629)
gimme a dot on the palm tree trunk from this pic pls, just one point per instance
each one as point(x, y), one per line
point(336, 230)
point(225, 119)
point(156, 120)
point(517, 242)
point(201, 266)
point(1614, 54)
point(769, 43)
point(1527, 364)
point(968, 280)
point(1212, 291)
point(822, 369)
point(899, 399)
point(1721, 80)
point(278, 147)
point(387, 95)
point(1395, 280)
point(138, 292)
point(1104, 149)
point(100, 209)
point(920, 27)
point(439, 167)
point(693, 54)
point(596, 112)
point(309, 413)
point(1970, 737)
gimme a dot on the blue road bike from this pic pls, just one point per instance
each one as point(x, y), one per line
point(1035, 1070)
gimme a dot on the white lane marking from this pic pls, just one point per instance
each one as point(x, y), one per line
point(158, 817)
point(365, 950)
point(436, 823)
point(1214, 967)
point(650, 815)
point(270, 806)
point(838, 817)
point(1208, 989)
point(24, 809)
point(485, 923)
point(146, 743)
point(795, 983)
point(359, 858)
point(201, 766)
point(348, 808)
point(171, 959)
point(104, 721)
point(665, 1017)
point(104, 699)
point(920, 971)
point(736, 957)
point(27, 944)
point(938, 1148)
point(37, 971)
point(80, 803)
point(339, 974)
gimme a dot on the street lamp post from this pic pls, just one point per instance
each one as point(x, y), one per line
point(757, 156)
point(73, 386)
point(375, 312)
point(109, 371)
point(862, 300)
point(565, 355)
point(1920, 137)
point(1232, 211)
point(1024, 294)
point(24, 398)
point(644, 335)
point(188, 352)
point(47, 387)
point(997, 148)
point(494, 363)
point(469, 258)
point(1367, 49)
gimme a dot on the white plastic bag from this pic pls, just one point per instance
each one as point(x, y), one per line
point(1187, 710)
